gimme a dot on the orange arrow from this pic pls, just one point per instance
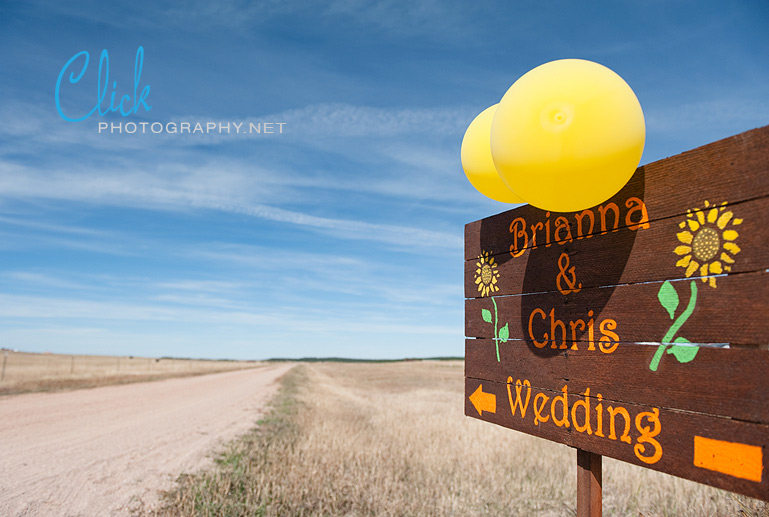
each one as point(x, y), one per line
point(483, 401)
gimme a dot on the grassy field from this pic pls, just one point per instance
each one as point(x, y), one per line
point(24, 372)
point(391, 439)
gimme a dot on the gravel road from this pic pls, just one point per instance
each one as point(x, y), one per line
point(107, 451)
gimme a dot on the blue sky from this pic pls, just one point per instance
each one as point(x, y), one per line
point(342, 236)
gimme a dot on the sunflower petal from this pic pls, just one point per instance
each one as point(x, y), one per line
point(693, 225)
point(732, 248)
point(712, 282)
point(713, 215)
point(693, 265)
point(684, 261)
point(736, 222)
point(716, 268)
point(726, 258)
point(685, 237)
point(724, 219)
point(682, 250)
point(730, 235)
point(704, 270)
point(700, 216)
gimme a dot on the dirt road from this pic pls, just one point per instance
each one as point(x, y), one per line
point(107, 451)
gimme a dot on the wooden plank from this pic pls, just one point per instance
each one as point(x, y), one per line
point(718, 381)
point(734, 312)
point(648, 436)
point(589, 478)
point(716, 172)
point(629, 256)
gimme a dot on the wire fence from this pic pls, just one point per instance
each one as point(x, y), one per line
point(18, 367)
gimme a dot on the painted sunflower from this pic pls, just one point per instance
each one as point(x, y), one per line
point(486, 274)
point(708, 241)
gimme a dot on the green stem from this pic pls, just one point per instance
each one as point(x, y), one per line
point(496, 323)
point(677, 324)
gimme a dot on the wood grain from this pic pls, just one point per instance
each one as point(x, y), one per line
point(735, 312)
point(677, 430)
point(625, 256)
point(574, 317)
point(589, 481)
point(720, 382)
point(734, 169)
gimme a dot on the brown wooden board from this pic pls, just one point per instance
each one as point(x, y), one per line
point(734, 169)
point(735, 312)
point(608, 307)
point(630, 256)
point(720, 382)
point(674, 433)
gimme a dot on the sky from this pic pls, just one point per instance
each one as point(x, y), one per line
point(337, 230)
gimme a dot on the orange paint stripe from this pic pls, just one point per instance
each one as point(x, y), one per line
point(736, 459)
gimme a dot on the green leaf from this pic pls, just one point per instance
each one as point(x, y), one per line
point(504, 333)
point(486, 315)
point(684, 354)
point(668, 297)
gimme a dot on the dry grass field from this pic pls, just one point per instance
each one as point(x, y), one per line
point(391, 439)
point(23, 372)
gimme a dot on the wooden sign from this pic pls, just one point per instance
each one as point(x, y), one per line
point(637, 329)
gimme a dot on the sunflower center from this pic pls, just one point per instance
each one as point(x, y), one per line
point(486, 274)
point(706, 244)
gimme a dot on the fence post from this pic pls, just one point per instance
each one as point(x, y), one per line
point(5, 360)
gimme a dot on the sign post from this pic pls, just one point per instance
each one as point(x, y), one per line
point(637, 329)
point(589, 477)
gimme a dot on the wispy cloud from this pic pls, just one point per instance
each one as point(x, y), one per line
point(340, 120)
point(33, 232)
point(402, 236)
point(209, 286)
point(40, 123)
point(64, 308)
point(377, 282)
point(414, 153)
point(399, 17)
point(202, 188)
point(37, 280)
point(724, 114)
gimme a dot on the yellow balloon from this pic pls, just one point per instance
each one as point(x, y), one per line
point(477, 161)
point(568, 135)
